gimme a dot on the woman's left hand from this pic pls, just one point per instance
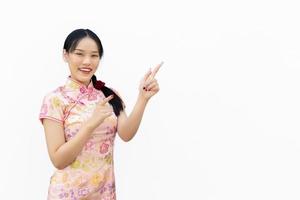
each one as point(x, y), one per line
point(149, 85)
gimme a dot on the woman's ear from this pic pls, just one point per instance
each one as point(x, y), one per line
point(65, 55)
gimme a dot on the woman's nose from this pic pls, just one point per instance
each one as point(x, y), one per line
point(86, 60)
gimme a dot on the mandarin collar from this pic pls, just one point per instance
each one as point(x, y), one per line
point(77, 88)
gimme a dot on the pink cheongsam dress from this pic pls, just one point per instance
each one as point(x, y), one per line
point(91, 175)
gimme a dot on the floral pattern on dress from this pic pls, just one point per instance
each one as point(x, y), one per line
point(91, 175)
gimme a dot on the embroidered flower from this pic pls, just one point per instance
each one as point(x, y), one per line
point(63, 195)
point(72, 195)
point(102, 189)
point(89, 145)
point(104, 148)
point(76, 164)
point(110, 130)
point(83, 90)
point(111, 187)
point(108, 159)
point(53, 180)
point(73, 85)
point(96, 179)
point(83, 192)
point(56, 102)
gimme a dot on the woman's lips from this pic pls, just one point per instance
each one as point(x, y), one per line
point(85, 70)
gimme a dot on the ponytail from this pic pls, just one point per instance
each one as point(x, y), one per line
point(115, 102)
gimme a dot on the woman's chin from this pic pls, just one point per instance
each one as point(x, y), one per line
point(84, 79)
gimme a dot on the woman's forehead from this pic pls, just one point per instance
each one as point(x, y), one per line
point(87, 44)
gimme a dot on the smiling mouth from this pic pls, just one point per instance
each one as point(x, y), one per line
point(85, 70)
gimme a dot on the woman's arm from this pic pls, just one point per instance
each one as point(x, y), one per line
point(128, 126)
point(63, 153)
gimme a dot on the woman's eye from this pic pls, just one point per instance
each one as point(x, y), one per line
point(94, 55)
point(79, 54)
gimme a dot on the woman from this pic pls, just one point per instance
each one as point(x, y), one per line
point(81, 119)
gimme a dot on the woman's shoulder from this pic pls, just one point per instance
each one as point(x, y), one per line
point(53, 105)
point(56, 94)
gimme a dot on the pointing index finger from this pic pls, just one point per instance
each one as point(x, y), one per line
point(155, 70)
point(107, 99)
point(146, 76)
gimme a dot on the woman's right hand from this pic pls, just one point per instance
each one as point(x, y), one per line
point(101, 112)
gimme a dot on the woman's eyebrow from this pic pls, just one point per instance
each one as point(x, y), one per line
point(83, 50)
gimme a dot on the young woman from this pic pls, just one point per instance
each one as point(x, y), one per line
point(81, 119)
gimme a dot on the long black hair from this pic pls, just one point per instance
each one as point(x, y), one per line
point(70, 44)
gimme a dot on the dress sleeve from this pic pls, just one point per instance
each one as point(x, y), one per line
point(52, 108)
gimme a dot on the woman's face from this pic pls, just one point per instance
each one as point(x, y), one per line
point(83, 61)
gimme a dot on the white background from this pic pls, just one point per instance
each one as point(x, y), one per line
point(225, 124)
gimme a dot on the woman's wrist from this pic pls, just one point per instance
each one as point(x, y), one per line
point(89, 127)
point(142, 99)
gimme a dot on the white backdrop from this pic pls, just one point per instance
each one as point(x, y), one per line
point(225, 124)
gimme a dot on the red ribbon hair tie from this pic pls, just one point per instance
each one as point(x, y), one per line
point(99, 84)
